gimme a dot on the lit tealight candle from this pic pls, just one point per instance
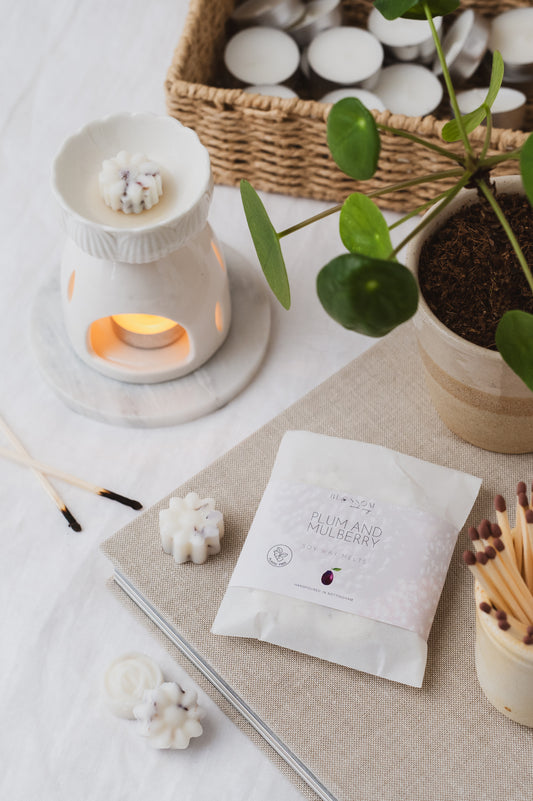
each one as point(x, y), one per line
point(508, 110)
point(512, 34)
point(262, 56)
point(130, 183)
point(409, 89)
point(346, 56)
point(406, 39)
point(369, 99)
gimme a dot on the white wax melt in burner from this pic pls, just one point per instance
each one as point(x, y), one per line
point(512, 34)
point(262, 55)
point(409, 89)
point(346, 56)
point(405, 39)
point(144, 287)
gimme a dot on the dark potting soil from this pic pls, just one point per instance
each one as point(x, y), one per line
point(469, 274)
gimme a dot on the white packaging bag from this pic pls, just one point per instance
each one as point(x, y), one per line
point(347, 555)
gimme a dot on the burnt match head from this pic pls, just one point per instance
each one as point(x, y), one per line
point(473, 533)
point(469, 558)
point(499, 503)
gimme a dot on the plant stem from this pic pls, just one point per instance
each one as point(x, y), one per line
point(424, 142)
point(449, 85)
point(310, 220)
point(488, 134)
point(432, 214)
point(508, 230)
point(437, 176)
point(491, 161)
point(420, 208)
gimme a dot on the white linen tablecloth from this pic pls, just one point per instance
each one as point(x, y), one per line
point(63, 64)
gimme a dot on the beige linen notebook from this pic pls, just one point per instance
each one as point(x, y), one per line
point(346, 735)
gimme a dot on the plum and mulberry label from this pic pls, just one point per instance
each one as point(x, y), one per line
point(348, 552)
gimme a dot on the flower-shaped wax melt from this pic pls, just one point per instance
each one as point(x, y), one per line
point(130, 183)
point(170, 716)
point(126, 680)
point(191, 528)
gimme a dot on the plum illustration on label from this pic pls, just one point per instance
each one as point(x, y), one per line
point(328, 576)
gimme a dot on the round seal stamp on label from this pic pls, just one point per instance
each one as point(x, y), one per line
point(279, 555)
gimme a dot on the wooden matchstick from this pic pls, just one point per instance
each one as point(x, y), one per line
point(527, 544)
point(77, 482)
point(471, 561)
point(48, 488)
point(503, 520)
point(516, 593)
point(521, 589)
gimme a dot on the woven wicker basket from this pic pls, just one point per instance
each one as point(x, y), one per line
point(279, 145)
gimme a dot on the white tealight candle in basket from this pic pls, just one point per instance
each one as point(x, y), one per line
point(346, 56)
point(406, 39)
point(271, 90)
point(512, 34)
point(369, 99)
point(262, 55)
point(409, 89)
point(508, 110)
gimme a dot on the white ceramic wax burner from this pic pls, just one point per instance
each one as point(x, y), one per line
point(144, 286)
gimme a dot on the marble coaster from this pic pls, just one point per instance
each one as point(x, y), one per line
point(220, 379)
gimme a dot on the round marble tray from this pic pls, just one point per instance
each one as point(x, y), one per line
point(150, 405)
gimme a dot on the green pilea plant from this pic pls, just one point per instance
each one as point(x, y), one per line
point(366, 289)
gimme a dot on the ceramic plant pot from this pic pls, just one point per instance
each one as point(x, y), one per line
point(473, 390)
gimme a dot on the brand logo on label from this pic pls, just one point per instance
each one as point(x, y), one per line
point(279, 555)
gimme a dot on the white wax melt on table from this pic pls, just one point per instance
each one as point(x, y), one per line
point(271, 90)
point(191, 528)
point(346, 55)
point(170, 716)
point(262, 55)
point(130, 183)
point(126, 680)
point(409, 89)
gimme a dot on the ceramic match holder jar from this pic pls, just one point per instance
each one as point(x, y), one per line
point(145, 296)
point(504, 666)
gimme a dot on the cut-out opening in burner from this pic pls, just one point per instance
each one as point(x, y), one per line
point(126, 341)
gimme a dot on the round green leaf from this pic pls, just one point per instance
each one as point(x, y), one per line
point(266, 243)
point(413, 9)
point(367, 295)
point(526, 166)
point(363, 228)
point(514, 340)
point(353, 138)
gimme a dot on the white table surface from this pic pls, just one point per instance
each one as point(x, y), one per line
point(63, 64)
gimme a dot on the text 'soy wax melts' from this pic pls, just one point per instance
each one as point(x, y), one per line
point(405, 39)
point(126, 680)
point(170, 716)
point(191, 528)
point(409, 89)
point(346, 56)
point(347, 555)
point(512, 34)
point(130, 183)
point(262, 56)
